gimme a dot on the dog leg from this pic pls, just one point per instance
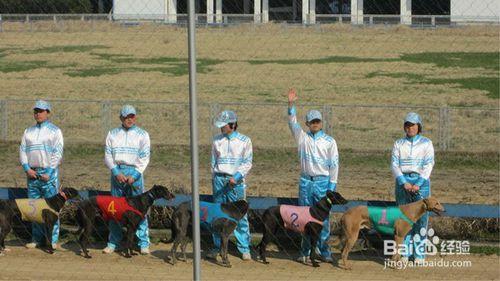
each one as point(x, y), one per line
point(224, 246)
point(350, 240)
point(84, 239)
point(183, 248)
point(263, 245)
point(399, 241)
point(49, 220)
point(312, 255)
point(129, 251)
point(173, 251)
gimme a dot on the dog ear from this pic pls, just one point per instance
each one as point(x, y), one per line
point(426, 204)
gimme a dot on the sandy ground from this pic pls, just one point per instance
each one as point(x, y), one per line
point(66, 264)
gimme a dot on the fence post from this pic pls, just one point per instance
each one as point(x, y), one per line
point(444, 128)
point(214, 110)
point(327, 119)
point(106, 116)
point(4, 133)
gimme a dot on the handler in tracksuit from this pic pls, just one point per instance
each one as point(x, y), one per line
point(411, 164)
point(126, 155)
point(231, 161)
point(319, 165)
point(40, 154)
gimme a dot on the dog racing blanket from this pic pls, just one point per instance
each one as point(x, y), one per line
point(383, 218)
point(114, 207)
point(296, 217)
point(31, 209)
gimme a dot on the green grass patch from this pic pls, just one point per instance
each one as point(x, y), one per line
point(325, 60)
point(64, 49)
point(93, 72)
point(17, 66)
point(172, 66)
point(487, 84)
point(485, 250)
point(487, 60)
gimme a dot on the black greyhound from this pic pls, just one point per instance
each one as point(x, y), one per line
point(274, 219)
point(136, 208)
point(221, 224)
point(44, 210)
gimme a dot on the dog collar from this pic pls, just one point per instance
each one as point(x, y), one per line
point(151, 196)
point(328, 200)
point(63, 195)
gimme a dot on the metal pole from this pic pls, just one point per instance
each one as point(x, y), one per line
point(193, 111)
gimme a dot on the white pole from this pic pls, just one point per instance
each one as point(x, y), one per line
point(405, 13)
point(210, 11)
point(265, 11)
point(312, 11)
point(356, 11)
point(256, 11)
point(305, 11)
point(218, 11)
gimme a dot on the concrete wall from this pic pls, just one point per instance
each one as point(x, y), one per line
point(139, 9)
point(474, 10)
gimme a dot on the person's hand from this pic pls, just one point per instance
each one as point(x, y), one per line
point(415, 188)
point(31, 174)
point(232, 182)
point(121, 178)
point(130, 180)
point(292, 96)
point(408, 187)
point(45, 177)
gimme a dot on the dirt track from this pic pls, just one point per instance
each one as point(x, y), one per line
point(66, 264)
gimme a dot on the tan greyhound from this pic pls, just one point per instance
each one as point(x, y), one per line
point(388, 220)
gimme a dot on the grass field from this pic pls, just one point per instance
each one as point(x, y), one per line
point(336, 64)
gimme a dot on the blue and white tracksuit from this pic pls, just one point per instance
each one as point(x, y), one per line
point(319, 166)
point(127, 152)
point(412, 162)
point(232, 157)
point(42, 150)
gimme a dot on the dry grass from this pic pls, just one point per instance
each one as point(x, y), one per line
point(335, 64)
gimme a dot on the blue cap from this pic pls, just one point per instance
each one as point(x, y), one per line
point(127, 110)
point(225, 117)
point(313, 114)
point(413, 118)
point(41, 104)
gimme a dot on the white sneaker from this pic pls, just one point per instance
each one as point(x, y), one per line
point(31, 245)
point(108, 250)
point(303, 259)
point(246, 256)
point(145, 251)
point(54, 246)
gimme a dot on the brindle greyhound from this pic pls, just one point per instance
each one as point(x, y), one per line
point(44, 210)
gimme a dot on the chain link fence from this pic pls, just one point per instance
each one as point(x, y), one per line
point(355, 127)
point(363, 66)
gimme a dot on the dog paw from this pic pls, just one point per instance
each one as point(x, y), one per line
point(315, 264)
